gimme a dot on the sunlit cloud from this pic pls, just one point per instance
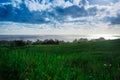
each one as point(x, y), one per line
point(60, 17)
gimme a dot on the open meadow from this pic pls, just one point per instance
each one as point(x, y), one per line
point(98, 60)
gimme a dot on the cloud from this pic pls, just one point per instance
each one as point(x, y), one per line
point(37, 12)
point(81, 17)
point(64, 29)
point(115, 20)
point(60, 11)
point(112, 14)
point(102, 2)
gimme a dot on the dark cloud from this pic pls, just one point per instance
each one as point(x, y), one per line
point(22, 14)
point(5, 11)
point(10, 13)
point(4, 1)
point(74, 11)
point(115, 20)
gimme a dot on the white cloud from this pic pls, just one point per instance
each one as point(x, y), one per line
point(76, 2)
point(91, 24)
point(65, 29)
point(36, 6)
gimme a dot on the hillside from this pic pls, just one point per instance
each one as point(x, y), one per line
point(67, 61)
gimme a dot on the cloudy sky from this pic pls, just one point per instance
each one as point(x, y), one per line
point(52, 17)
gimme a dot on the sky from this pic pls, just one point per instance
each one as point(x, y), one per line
point(64, 17)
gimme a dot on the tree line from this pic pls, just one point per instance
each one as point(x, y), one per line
point(18, 43)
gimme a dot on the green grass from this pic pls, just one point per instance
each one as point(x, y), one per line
point(68, 61)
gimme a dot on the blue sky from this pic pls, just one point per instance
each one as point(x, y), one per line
point(60, 17)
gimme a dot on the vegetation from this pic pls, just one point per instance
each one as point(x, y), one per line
point(89, 60)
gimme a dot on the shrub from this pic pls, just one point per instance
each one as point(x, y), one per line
point(17, 43)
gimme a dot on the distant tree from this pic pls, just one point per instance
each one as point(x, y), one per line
point(83, 40)
point(56, 41)
point(50, 41)
point(38, 42)
point(99, 39)
point(62, 41)
point(80, 40)
point(28, 42)
point(75, 41)
point(4, 43)
point(17, 43)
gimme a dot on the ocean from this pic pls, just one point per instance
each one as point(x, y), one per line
point(58, 37)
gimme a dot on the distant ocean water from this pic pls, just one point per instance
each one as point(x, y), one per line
point(59, 37)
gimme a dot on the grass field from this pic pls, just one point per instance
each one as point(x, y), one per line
point(66, 61)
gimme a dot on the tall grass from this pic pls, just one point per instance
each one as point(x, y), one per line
point(70, 61)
